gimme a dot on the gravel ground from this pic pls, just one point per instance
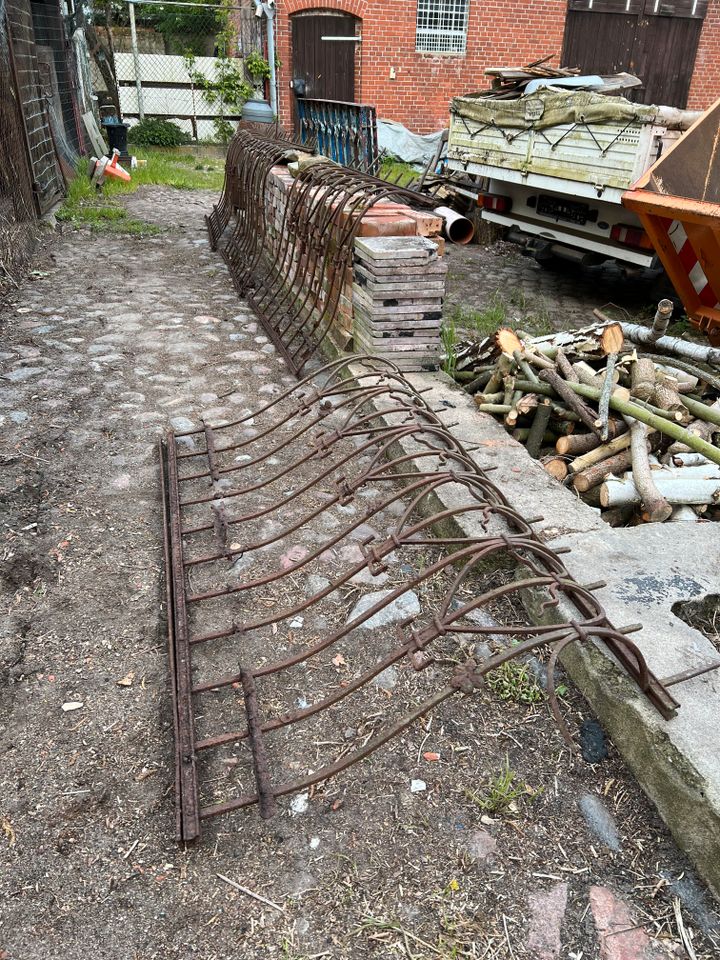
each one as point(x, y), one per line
point(561, 297)
point(100, 353)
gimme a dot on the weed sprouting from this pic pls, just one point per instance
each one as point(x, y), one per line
point(514, 681)
point(502, 791)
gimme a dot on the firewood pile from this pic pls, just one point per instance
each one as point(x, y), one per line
point(625, 416)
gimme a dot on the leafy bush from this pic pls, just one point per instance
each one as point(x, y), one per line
point(155, 132)
point(257, 66)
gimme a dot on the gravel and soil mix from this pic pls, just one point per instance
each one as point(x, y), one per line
point(475, 834)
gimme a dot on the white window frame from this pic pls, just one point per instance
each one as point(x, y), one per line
point(441, 26)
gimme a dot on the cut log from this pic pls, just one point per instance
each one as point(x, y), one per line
point(699, 428)
point(670, 484)
point(654, 504)
point(688, 368)
point(580, 443)
point(565, 368)
point(593, 476)
point(672, 345)
point(507, 341)
point(688, 460)
point(604, 404)
point(683, 514)
point(564, 390)
point(666, 395)
point(584, 373)
point(618, 517)
point(538, 360)
point(526, 403)
point(556, 467)
point(642, 379)
point(611, 339)
point(661, 320)
point(525, 367)
point(600, 453)
point(538, 428)
point(479, 382)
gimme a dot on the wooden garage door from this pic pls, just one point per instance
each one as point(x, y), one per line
point(656, 40)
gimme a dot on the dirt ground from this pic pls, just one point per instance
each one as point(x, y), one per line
point(107, 346)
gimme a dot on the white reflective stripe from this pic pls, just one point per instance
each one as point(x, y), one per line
point(698, 278)
point(677, 234)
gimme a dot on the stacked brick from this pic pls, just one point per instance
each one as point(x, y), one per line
point(390, 300)
point(397, 300)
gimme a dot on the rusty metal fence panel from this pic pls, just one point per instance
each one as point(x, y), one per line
point(279, 523)
point(292, 270)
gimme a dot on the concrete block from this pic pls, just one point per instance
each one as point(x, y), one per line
point(405, 269)
point(396, 248)
point(428, 224)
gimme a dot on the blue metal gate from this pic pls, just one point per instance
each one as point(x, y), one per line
point(346, 132)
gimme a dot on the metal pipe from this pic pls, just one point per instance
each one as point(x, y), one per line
point(136, 60)
point(458, 229)
point(270, 14)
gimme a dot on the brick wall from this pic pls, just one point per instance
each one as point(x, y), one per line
point(705, 87)
point(499, 33)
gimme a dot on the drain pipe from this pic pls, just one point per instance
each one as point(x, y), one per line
point(269, 10)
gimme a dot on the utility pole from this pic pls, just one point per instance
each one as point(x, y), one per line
point(136, 60)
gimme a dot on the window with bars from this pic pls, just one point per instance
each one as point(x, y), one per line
point(441, 26)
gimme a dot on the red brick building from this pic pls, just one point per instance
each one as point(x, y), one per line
point(410, 57)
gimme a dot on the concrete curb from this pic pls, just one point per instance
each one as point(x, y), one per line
point(648, 569)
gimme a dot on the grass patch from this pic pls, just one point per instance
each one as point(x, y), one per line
point(397, 171)
point(84, 206)
point(515, 311)
point(483, 322)
point(514, 681)
point(449, 340)
point(502, 791)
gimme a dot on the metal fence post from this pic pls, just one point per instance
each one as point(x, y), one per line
point(136, 60)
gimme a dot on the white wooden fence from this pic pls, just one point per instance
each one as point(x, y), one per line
point(169, 92)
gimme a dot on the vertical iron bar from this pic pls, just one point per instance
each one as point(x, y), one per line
point(268, 805)
point(186, 768)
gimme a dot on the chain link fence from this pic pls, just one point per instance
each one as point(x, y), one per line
point(194, 64)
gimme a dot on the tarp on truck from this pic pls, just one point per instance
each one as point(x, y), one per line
point(543, 109)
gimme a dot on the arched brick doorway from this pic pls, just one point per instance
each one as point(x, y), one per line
point(325, 57)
